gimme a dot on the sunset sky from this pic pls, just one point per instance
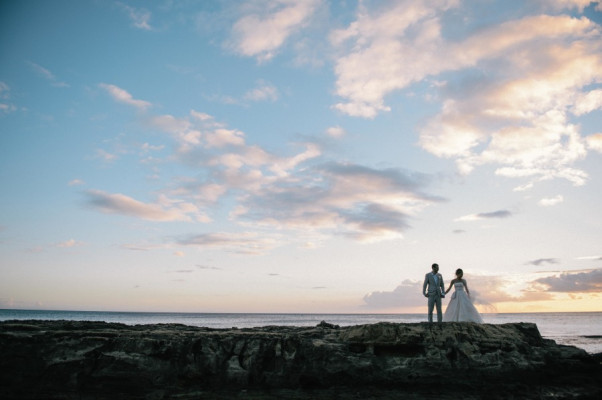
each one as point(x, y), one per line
point(299, 156)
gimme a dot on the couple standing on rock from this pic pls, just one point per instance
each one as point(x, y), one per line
point(460, 308)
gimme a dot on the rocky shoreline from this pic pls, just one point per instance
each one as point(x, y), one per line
point(97, 360)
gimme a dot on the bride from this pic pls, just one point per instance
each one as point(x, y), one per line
point(460, 307)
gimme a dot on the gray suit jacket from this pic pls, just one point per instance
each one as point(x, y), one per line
point(433, 288)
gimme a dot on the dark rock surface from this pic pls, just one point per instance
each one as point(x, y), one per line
point(96, 360)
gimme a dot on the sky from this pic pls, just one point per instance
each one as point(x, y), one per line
point(294, 156)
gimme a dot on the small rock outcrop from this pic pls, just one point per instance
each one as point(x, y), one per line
point(96, 360)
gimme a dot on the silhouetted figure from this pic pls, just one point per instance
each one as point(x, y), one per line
point(460, 307)
point(433, 281)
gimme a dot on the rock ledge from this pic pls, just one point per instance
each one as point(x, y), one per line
point(96, 360)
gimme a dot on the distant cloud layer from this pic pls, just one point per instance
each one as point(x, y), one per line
point(574, 282)
point(487, 290)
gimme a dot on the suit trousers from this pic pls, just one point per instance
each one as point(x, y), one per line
point(435, 300)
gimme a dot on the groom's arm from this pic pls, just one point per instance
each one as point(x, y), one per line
point(426, 280)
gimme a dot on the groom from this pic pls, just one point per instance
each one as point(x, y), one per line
point(436, 291)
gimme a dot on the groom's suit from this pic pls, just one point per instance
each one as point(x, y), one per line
point(436, 290)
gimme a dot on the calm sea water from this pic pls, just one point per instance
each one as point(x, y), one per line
point(583, 330)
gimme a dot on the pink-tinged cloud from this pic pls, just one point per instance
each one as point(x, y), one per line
point(69, 243)
point(574, 282)
point(122, 96)
point(124, 205)
point(263, 30)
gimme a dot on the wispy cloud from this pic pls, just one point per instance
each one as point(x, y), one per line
point(249, 243)
point(165, 210)
point(264, 91)
point(266, 25)
point(46, 74)
point(335, 132)
point(105, 155)
point(541, 261)
point(485, 215)
point(122, 96)
point(69, 243)
point(5, 106)
point(139, 17)
point(551, 201)
point(76, 182)
point(208, 267)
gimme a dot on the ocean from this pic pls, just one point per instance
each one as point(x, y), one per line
point(582, 330)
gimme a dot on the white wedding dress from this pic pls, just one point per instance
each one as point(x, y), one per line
point(460, 307)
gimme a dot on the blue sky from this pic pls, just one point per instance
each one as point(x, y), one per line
point(299, 156)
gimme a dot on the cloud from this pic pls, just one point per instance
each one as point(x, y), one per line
point(574, 282)
point(349, 200)
point(383, 51)
point(76, 182)
point(5, 106)
point(335, 132)
point(249, 243)
point(266, 25)
point(263, 92)
point(208, 267)
point(596, 258)
point(551, 201)
point(558, 5)
point(105, 155)
point(541, 261)
point(140, 17)
point(519, 118)
point(486, 215)
point(303, 191)
point(165, 210)
point(522, 80)
point(485, 292)
point(122, 96)
point(489, 290)
point(594, 142)
point(69, 243)
point(407, 294)
point(46, 74)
